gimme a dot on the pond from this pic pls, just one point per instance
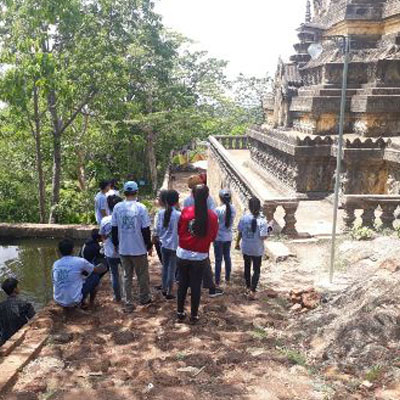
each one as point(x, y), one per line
point(30, 261)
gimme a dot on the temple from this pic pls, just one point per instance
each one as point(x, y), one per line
point(297, 143)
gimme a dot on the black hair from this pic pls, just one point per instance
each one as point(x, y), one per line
point(103, 184)
point(200, 225)
point(255, 207)
point(112, 201)
point(172, 197)
point(226, 199)
point(9, 285)
point(131, 193)
point(95, 234)
point(113, 183)
point(162, 196)
point(66, 247)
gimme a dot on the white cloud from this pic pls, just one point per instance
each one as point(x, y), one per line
point(250, 34)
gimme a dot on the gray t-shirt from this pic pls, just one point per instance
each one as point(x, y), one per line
point(168, 236)
point(253, 242)
point(100, 203)
point(68, 279)
point(131, 217)
point(189, 201)
point(224, 233)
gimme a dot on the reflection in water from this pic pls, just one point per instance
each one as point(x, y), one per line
point(30, 261)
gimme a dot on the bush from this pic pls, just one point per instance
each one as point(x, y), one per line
point(362, 233)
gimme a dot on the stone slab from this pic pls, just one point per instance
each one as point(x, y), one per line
point(277, 251)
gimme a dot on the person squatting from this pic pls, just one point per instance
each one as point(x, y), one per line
point(182, 239)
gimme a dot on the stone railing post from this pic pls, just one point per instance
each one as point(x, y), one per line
point(368, 215)
point(349, 216)
point(387, 216)
point(290, 218)
point(269, 210)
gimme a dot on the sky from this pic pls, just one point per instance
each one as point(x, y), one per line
point(250, 34)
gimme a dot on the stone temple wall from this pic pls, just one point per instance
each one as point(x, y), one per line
point(392, 7)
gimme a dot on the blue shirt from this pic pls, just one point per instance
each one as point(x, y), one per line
point(131, 217)
point(189, 201)
point(168, 236)
point(68, 279)
point(224, 233)
point(100, 203)
point(252, 242)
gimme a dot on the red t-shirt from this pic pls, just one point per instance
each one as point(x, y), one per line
point(194, 243)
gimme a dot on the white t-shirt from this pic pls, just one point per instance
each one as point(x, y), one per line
point(131, 217)
point(68, 279)
point(100, 203)
point(105, 230)
point(112, 192)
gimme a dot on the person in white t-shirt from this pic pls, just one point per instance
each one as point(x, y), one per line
point(74, 278)
point(110, 252)
point(100, 202)
point(131, 234)
point(113, 191)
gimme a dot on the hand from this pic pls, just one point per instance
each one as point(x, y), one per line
point(150, 252)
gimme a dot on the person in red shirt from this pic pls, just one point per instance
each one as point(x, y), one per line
point(197, 229)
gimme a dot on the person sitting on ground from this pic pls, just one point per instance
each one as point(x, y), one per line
point(253, 231)
point(222, 245)
point(192, 182)
point(91, 249)
point(197, 229)
point(100, 201)
point(74, 278)
point(166, 230)
point(110, 252)
point(14, 312)
point(132, 235)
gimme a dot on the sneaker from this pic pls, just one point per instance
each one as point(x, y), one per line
point(194, 319)
point(216, 292)
point(181, 316)
point(170, 297)
point(164, 293)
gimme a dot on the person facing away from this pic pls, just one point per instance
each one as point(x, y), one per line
point(222, 246)
point(253, 231)
point(131, 234)
point(74, 278)
point(197, 229)
point(189, 201)
point(110, 251)
point(91, 249)
point(166, 230)
point(14, 312)
point(113, 191)
point(160, 203)
point(100, 202)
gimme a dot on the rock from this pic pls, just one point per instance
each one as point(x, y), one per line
point(22, 396)
point(190, 370)
point(367, 384)
point(390, 264)
point(277, 251)
point(36, 386)
point(311, 299)
point(100, 366)
point(123, 337)
point(62, 338)
point(259, 323)
point(297, 307)
point(272, 294)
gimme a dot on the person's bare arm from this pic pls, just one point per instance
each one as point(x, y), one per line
point(100, 269)
point(238, 239)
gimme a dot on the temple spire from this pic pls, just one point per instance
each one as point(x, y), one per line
point(308, 12)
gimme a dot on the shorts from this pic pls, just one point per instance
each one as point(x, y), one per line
point(90, 285)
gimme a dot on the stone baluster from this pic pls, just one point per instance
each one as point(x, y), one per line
point(244, 142)
point(387, 216)
point(269, 210)
point(290, 218)
point(349, 216)
point(236, 143)
point(228, 143)
point(368, 216)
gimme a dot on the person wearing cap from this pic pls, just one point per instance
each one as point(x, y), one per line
point(222, 246)
point(100, 201)
point(132, 236)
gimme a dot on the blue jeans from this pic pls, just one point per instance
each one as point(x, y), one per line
point(169, 267)
point(113, 264)
point(222, 250)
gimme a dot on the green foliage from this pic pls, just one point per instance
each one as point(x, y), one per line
point(362, 233)
point(259, 333)
point(374, 373)
point(295, 357)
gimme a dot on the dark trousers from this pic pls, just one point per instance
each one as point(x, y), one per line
point(208, 278)
point(222, 250)
point(157, 245)
point(190, 275)
point(252, 282)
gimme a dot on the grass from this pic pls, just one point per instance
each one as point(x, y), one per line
point(180, 356)
point(295, 357)
point(374, 373)
point(259, 333)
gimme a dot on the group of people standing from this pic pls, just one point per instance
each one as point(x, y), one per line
point(182, 238)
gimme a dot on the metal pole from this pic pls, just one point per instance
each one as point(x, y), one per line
point(346, 44)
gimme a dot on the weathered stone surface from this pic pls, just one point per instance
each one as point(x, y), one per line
point(277, 251)
point(62, 338)
point(391, 264)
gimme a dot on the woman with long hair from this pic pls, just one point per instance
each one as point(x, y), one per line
point(253, 230)
point(197, 229)
point(222, 246)
point(166, 230)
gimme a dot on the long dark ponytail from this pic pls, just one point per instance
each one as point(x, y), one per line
point(226, 198)
point(255, 207)
point(200, 224)
point(171, 198)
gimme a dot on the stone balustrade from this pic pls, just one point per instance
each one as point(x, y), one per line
point(244, 189)
point(369, 204)
point(232, 142)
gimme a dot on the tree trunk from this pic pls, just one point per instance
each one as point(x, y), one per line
point(39, 158)
point(151, 154)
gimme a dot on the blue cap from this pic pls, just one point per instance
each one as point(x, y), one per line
point(130, 187)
